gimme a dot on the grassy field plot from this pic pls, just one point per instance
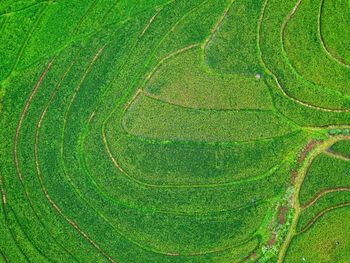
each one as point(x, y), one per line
point(174, 131)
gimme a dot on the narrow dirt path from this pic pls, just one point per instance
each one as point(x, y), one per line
point(337, 155)
point(305, 164)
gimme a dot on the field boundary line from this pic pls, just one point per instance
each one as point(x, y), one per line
point(87, 71)
point(271, 88)
point(189, 141)
point(150, 56)
point(135, 242)
point(87, 203)
point(13, 235)
point(25, 42)
point(165, 58)
point(166, 34)
point(133, 99)
point(4, 256)
point(26, 236)
point(190, 215)
point(170, 213)
point(255, 178)
point(172, 29)
point(82, 18)
point(333, 154)
point(340, 60)
point(294, 69)
point(113, 200)
point(226, 143)
point(150, 22)
point(284, 92)
point(91, 117)
point(15, 151)
point(214, 251)
point(104, 17)
point(24, 112)
point(301, 175)
point(26, 7)
point(71, 221)
point(323, 193)
point(3, 191)
point(217, 26)
point(320, 214)
point(116, 164)
point(101, 216)
point(153, 97)
point(288, 61)
point(3, 24)
point(38, 171)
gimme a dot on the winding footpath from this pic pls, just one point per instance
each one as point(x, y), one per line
point(321, 147)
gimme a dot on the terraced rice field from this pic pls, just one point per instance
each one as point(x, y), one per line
point(175, 131)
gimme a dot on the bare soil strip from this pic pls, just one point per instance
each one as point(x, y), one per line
point(133, 99)
point(22, 118)
point(149, 22)
point(116, 164)
point(91, 116)
point(3, 191)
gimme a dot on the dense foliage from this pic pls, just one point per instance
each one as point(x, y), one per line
point(174, 130)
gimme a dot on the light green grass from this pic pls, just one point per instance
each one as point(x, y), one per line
point(184, 80)
point(155, 119)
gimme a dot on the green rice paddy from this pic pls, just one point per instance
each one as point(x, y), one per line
point(175, 131)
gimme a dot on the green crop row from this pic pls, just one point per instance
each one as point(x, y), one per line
point(275, 53)
point(154, 119)
point(184, 81)
point(326, 241)
point(327, 201)
point(335, 13)
point(155, 131)
point(326, 172)
point(342, 147)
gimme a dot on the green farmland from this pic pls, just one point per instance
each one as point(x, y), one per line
point(175, 131)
